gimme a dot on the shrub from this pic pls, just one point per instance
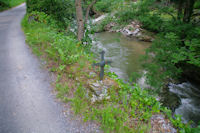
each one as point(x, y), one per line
point(5, 4)
point(197, 4)
point(60, 10)
point(107, 5)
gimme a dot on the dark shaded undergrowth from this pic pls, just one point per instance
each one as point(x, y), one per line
point(6, 4)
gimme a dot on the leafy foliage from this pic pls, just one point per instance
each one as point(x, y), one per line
point(107, 5)
point(171, 52)
point(197, 4)
point(59, 9)
point(5, 4)
point(57, 46)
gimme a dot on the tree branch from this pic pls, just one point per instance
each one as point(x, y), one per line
point(88, 10)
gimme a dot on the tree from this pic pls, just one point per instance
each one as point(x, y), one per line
point(80, 20)
point(59, 9)
point(180, 9)
point(187, 6)
point(79, 16)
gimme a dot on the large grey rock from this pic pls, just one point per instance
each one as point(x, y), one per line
point(132, 30)
point(99, 89)
point(160, 124)
point(109, 27)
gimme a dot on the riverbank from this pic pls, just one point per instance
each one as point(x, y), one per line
point(118, 107)
point(132, 30)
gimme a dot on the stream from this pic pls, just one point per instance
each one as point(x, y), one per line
point(122, 51)
point(125, 53)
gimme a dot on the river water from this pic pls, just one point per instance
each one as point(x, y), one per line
point(122, 51)
point(125, 54)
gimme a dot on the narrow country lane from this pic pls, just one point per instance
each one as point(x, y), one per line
point(26, 102)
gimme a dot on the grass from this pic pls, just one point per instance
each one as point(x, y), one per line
point(128, 108)
point(6, 4)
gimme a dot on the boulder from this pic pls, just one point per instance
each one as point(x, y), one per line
point(160, 124)
point(132, 30)
point(99, 89)
point(109, 26)
point(99, 98)
point(145, 38)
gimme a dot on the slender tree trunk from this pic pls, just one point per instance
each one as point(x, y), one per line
point(88, 10)
point(27, 5)
point(80, 20)
point(79, 16)
point(189, 5)
point(180, 8)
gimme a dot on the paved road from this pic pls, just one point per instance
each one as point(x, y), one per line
point(26, 102)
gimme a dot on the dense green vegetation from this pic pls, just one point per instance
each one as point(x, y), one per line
point(62, 11)
point(129, 108)
point(5, 4)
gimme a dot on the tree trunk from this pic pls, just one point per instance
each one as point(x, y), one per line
point(88, 10)
point(189, 5)
point(27, 5)
point(80, 20)
point(96, 13)
point(79, 17)
point(180, 8)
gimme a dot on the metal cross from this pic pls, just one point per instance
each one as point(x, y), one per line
point(102, 64)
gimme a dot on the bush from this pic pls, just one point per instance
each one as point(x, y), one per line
point(5, 4)
point(107, 5)
point(197, 4)
point(60, 10)
point(152, 23)
point(57, 46)
point(172, 54)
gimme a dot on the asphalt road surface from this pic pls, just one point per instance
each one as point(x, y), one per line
point(26, 102)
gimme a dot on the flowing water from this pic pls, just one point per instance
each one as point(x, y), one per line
point(125, 53)
point(190, 101)
point(122, 51)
